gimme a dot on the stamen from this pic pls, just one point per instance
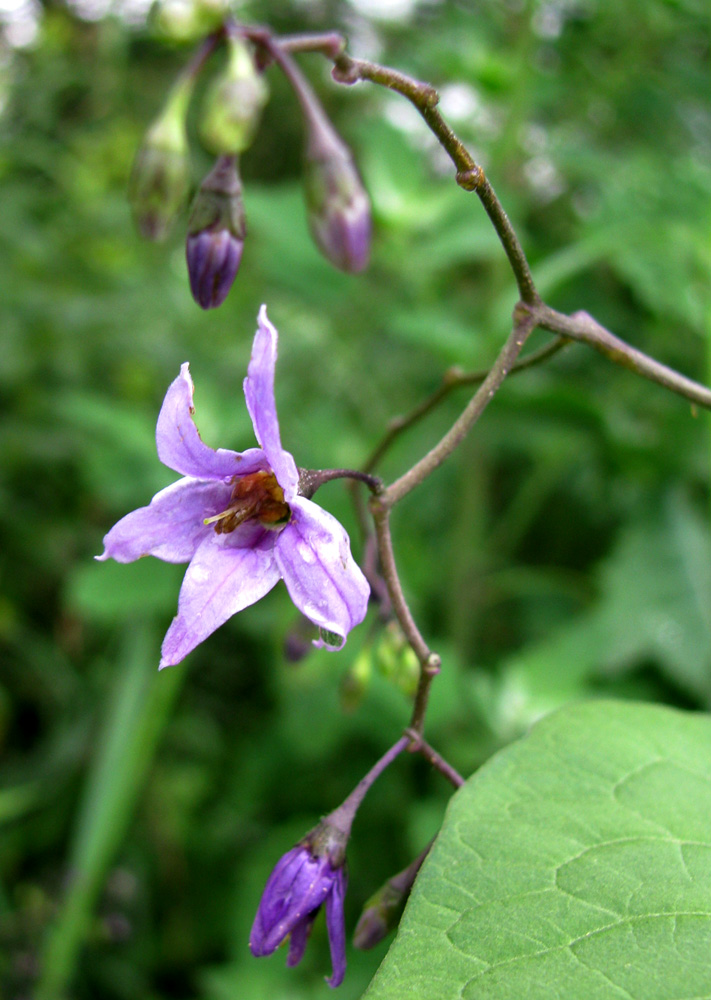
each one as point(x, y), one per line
point(257, 495)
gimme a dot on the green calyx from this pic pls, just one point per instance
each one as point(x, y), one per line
point(233, 103)
point(218, 203)
point(161, 172)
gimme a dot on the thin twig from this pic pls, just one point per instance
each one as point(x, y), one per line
point(470, 175)
point(454, 378)
point(581, 326)
point(311, 480)
point(524, 323)
point(419, 745)
point(429, 661)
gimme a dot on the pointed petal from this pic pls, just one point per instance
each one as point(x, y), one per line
point(171, 527)
point(336, 926)
point(314, 556)
point(259, 394)
point(299, 939)
point(220, 581)
point(179, 444)
point(297, 887)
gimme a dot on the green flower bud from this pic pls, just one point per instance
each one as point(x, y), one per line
point(396, 660)
point(161, 171)
point(233, 103)
point(384, 908)
point(356, 681)
point(380, 915)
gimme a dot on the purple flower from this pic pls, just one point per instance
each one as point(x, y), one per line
point(295, 891)
point(239, 521)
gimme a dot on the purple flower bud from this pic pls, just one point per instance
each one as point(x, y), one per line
point(338, 206)
point(216, 233)
point(309, 876)
point(161, 171)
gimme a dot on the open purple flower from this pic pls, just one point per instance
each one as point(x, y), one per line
point(302, 881)
point(239, 521)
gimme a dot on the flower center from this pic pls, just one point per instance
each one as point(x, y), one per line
point(256, 497)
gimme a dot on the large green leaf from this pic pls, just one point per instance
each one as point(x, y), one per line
point(575, 864)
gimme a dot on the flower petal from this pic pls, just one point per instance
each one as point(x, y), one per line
point(297, 886)
point(324, 582)
point(336, 926)
point(298, 939)
point(171, 527)
point(221, 580)
point(259, 394)
point(179, 444)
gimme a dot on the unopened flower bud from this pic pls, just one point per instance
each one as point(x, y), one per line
point(383, 910)
point(380, 915)
point(234, 103)
point(161, 171)
point(309, 876)
point(338, 206)
point(396, 660)
point(356, 681)
point(216, 232)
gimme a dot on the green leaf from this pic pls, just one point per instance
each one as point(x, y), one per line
point(575, 864)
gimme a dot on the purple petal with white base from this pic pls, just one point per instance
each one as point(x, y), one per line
point(314, 557)
point(259, 394)
point(180, 446)
point(221, 580)
point(239, 521)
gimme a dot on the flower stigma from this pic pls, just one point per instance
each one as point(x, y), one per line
point(257, 496)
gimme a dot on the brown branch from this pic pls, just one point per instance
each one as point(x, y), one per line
point(581, 326)
point(454, 378)
point(524, 323)
point(470, 175)
point(419, 745)
point(429, 661)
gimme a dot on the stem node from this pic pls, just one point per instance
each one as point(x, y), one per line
point(470, 180)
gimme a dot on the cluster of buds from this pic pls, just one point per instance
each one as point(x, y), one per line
point(337, 205)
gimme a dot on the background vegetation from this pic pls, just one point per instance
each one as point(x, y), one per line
point(564, 553)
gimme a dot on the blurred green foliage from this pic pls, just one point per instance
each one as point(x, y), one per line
point(137, 825)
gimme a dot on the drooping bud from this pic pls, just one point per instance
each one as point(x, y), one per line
point(380, 915)
point(234, 102)
point(216, 232)
point(338, 206)
point(383, 910)
point(161, 171)
point(309, 876)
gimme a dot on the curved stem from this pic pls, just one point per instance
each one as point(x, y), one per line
point(342, 817)
point(429, 661)
point(419, 745)
point(470, 175)
point(311, 480)
point(524, 324)
point(452, 379)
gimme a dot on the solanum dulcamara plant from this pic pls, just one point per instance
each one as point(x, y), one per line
point(243, 521)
